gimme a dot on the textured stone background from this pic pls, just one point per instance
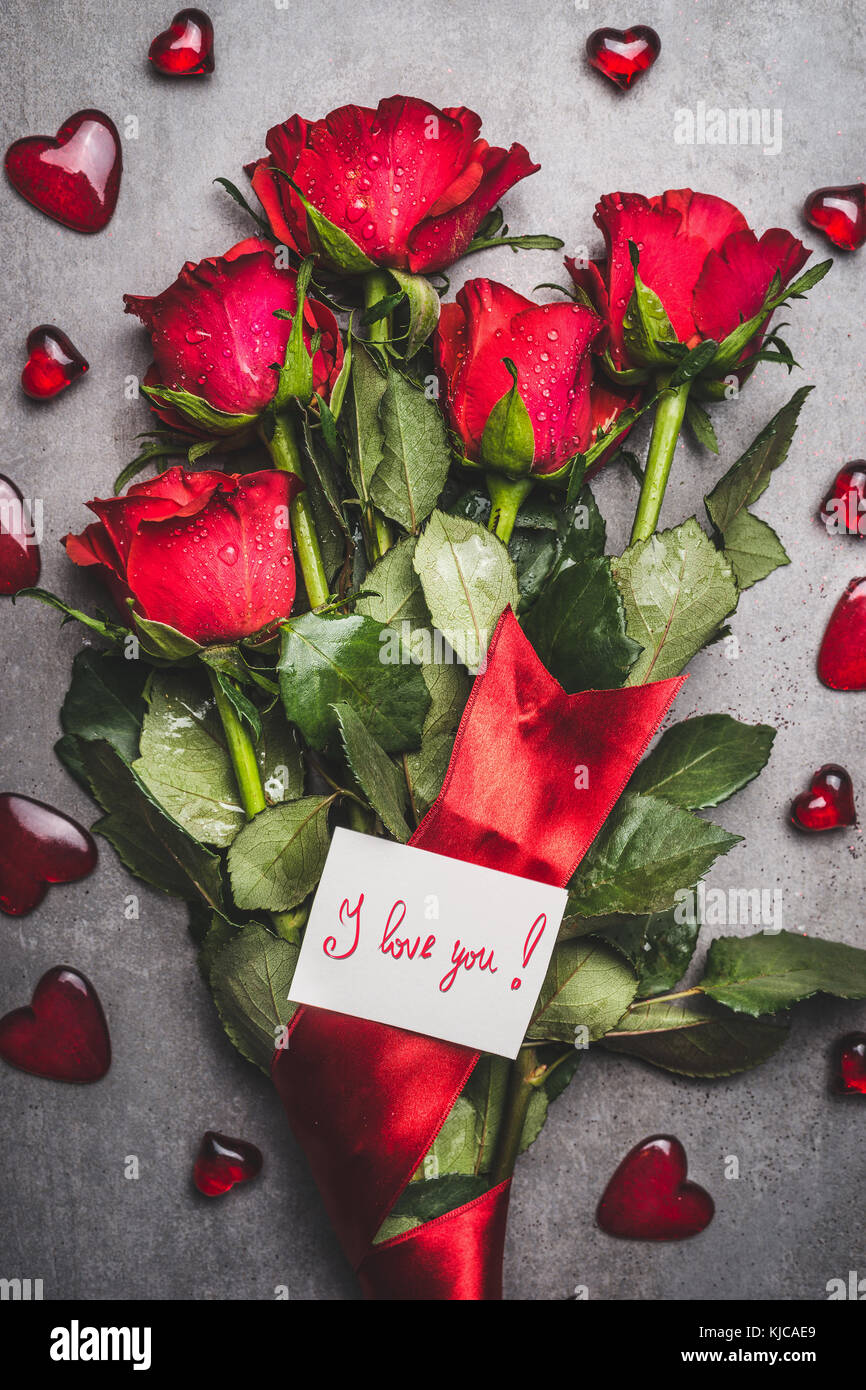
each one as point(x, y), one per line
point(794, 1218)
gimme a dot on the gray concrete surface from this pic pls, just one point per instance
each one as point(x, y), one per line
point(794, 1218)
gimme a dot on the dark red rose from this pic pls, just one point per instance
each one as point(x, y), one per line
point(214, 334)
point(209, 554)
point(697, 253)
point(407, 183)
point(549, 345)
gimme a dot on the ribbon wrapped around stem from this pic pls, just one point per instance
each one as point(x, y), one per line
point(366, 1101)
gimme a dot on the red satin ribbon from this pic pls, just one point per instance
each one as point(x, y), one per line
point(533, 774)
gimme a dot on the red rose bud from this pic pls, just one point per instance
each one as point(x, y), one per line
point(404, 186)
point(209, 554)
point(702, 274)
point(216, 339)
point(517, 379)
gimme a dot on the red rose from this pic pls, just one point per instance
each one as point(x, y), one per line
point(209, 554)
point(408, 184)
point(549, 345)
point(214, 335)
point(697, 253)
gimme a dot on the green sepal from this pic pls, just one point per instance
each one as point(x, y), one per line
point(508, 441)
point(198, 412)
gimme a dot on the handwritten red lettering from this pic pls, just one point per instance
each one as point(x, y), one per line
point(397, 946)
point(460, 956)
point(329, 945)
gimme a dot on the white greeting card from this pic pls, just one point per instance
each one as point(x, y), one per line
point(427, 943)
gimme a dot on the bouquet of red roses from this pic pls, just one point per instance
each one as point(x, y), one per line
point(463, 667)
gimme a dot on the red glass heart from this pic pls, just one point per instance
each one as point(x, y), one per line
point(185, 48)
point(829, 802)
point(840, 213)
point(850, 1065)
point(843, 510)
point(648, 1197)
point(74, 177)
point(38, 846)
point(19, 553)
point(221, 1162)
point(53, 363)
point(623, 55)
point(842, 658)
point(62, 1033)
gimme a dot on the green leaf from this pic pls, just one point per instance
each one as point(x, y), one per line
point(278, 857)
point(693, 363)
point(646, 851)
point(701, 426)
point(748, 478)
point(383, 784)
point(753, 549)
point(296, 374)
point(694, 1037)
point(677, 590)
point(332, 243)
point(162, 641)
point(197, 410)
point(588, 984)
point(770, 971)
point(104, 701)
point(449, 688)
point(468, 580)
point(151, 844)
point(186, 766)
point(361, 419)
point(424, 1200)
point(250, 979)
point(113, 631)
point(393, 593)
point(645, 324)
point(578, 628)
point(329, 660)
point(219, 933)
point(658, 946)
point(415, 454)
point(423, 304)
point(508, 441)
point(703, 761)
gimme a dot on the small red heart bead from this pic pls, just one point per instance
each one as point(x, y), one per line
point(54, 363)
point(843, 510)
point(62, 1033)
point(38, 846)
point(19, 553)
point(185, 48)
point(842, 656)
point(74, 177)
point(850, 1065)
point(840, 213)
point(623, 55)
point(648, 1197)
point(221, 1162)
point(829, 802)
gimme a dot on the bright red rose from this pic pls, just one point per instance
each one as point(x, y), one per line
point(214, 334)
point(697, 253)
point(407, 183)
point(209, 554)
point(549, 345)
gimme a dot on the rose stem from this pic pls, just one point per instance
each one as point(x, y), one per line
point(286, 455)
point(507, 495)
point(376, 287)
point(666, 429)
point(525, 1075)
point(249, 780)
